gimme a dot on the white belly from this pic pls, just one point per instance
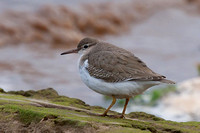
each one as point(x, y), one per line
point(123, 89)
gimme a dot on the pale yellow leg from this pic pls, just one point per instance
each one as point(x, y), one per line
point(123, 112)
point(113, 102)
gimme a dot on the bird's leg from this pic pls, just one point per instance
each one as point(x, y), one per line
point(113, 102)
point(123, 112)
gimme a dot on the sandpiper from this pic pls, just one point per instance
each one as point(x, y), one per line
point(113, 71)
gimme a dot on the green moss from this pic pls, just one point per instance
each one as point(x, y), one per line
point(63, 100)
point(51, 95)
point(191, 127)
point(42, 94)
point(26, 116)
point(21, 92)
point(190, 123)
point(5, 101)
point(23, 110)
point(144, 116)
point(70, 122)
point(125, 130)
point(9, 97)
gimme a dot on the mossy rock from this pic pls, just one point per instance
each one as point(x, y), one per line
point(42, 94)
point(144, 116)
point(64, 114)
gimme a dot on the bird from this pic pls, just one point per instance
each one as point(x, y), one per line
point(114, 71)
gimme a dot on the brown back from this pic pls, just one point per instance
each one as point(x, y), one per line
point(114, 64)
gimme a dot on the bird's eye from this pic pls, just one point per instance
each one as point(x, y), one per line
point(85, 46)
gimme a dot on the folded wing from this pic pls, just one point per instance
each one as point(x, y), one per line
point(120, 65)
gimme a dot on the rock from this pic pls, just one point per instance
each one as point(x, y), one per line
point(43, 94)
point(19, 112)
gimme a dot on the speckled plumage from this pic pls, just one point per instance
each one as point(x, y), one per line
point(114, 64)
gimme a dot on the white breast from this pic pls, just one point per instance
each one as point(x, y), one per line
point(123, 89)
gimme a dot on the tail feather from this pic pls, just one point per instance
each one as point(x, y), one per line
point(167, 81)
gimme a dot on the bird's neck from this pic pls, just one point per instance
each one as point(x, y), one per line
point(82, 58)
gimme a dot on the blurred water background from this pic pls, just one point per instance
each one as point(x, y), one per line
point(164, 34)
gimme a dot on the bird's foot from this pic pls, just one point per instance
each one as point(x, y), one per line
point(122, 116)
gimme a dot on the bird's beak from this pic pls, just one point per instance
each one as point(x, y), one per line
point(70, 51)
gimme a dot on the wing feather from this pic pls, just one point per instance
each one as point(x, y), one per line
point(117, 66)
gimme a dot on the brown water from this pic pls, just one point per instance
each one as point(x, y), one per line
point(168, 42)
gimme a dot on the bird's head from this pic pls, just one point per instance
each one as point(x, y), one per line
point(83, 46)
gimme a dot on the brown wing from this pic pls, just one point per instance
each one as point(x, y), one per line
point(120, 65)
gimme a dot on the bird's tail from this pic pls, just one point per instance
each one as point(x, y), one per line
point(167, 81)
